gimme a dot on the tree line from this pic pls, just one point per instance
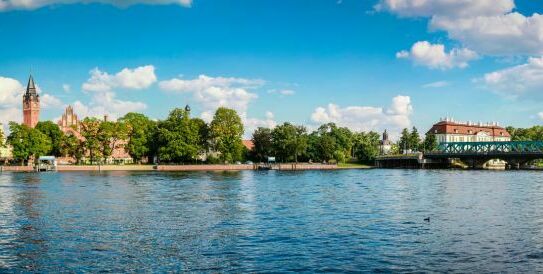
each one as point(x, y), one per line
point(181, 138)
point(534, 133)
point(411, 141)
point(177, 139)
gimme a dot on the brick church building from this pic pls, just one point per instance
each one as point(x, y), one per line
point(68, 123)
point(31, 104)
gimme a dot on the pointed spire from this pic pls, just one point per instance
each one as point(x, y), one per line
point(31, 87)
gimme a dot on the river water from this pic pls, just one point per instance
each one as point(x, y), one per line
point(272, 221)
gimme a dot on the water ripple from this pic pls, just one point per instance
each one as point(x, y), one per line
point(314, 221)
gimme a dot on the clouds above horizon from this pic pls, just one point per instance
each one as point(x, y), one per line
point(107, 103)
point(448, 8)
point(282, 92)
point(438, 84)
point(365, 118)
point(11, 97)
point(213, 92)
point(488, 27)
point(517, 81)
point(6, 5)
point(136, 79)
point(434, 56)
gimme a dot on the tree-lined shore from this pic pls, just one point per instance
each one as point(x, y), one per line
point(181, 138)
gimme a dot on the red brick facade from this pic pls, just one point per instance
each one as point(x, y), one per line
point(31, 104)
point(451, 127)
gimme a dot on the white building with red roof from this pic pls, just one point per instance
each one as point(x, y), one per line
point(448, 130)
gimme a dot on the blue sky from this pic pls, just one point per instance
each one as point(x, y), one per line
point(366, 64)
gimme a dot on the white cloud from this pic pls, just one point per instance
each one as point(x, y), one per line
point(11, 92)
point(438, 84)
point(10, 114)
point(6, 5)
point(204, 82)
point(485, 26)
point(518, 80)
point(103, 103)
point(282, 92)
point(366, 118)
point(11, 97)
point(49, 101)
point(67, 88)
point(251, 124)
point(434, 56)
point(507, 34)
point(450, 8)
point(540, 115)
point(214, 92)
point(137, 78)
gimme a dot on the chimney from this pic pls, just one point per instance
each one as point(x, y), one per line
point(105, 117)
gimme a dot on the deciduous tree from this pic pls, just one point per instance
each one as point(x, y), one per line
point(139, 132)
point(226, 130)
point(178, 137)
point(262, 140)
point(53, 132)
point(27, 142)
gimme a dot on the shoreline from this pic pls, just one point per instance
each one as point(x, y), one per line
point(174, 168)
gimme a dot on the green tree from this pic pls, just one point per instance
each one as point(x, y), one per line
point(71, 146)
point(53, 132)
point(27, 142)
point(534, 133)
point(289, 141)
point(226, 130)
point(366, 146)
point(331, 142)
point(110, 136)
point(2, 136)
point(327, 148)
point(203, 134)
point(179, 137)
point(414, 140)
point(404, 142)
point(262, 140)
point(430, 142)
point(90, 131)
point(139, 132)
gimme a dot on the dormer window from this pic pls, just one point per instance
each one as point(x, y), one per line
point(470, 131)
point(456, 131)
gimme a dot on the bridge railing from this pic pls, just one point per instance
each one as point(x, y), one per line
point(489, 147)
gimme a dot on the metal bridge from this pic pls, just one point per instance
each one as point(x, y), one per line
point(489, 148)
point(476, 153)
point(471, 154)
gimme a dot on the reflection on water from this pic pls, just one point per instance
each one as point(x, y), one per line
point(272, 221)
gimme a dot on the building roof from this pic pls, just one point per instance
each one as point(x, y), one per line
point(453, 127)
point(248, 144)
point(31, 87)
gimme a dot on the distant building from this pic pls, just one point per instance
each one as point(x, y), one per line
point(70, 124)
point(448, 130)
point(248, 144)
point(31, 104)
point(385, 145)
point(69, 120)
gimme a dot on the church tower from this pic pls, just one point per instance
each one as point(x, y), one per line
point(31, 104)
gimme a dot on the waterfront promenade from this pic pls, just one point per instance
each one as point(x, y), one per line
point(68, 168)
